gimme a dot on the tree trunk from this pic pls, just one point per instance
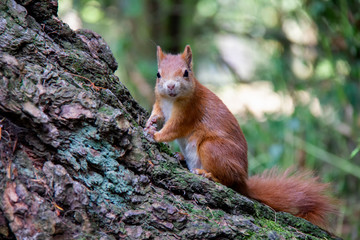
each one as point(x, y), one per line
point(74, 162)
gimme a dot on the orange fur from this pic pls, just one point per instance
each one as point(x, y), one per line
point(300, 194)
point(215, 147)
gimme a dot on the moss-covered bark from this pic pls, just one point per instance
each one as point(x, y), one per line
point(74, 163)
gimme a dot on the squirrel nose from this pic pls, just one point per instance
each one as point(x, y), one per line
point(171, 86)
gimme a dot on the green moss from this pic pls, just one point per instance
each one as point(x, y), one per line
point(165, 148)
point(270, 225)
point(274, 230)
point(216, 214)
point(106, 110)
point(263, 211)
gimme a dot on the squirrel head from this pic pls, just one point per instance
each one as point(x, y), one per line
point(175, 77)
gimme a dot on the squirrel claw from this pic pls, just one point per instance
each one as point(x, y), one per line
point(179, 156)
point(151, 122)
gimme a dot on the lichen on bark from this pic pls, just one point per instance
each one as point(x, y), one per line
point(74, 162)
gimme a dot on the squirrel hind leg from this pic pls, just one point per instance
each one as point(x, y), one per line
point(220, 157)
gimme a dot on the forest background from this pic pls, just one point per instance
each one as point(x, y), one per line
point(289, 70)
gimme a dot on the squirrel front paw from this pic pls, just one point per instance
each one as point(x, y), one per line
point(150, 128)
point(152, 122)
point(150, 132)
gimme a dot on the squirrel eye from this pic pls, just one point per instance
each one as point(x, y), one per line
point(158, 75)
point(186, 74)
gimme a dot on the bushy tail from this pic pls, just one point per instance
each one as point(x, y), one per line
point(300, 194)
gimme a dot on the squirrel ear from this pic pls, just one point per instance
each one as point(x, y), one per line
point(187, 55)
point(160, 55)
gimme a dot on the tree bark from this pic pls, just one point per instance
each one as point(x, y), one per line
point(74, 162)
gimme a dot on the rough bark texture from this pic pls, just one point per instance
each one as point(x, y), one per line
point(74, 163)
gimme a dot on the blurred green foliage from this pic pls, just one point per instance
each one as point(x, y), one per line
point(309, 50)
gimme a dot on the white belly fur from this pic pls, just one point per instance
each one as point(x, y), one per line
point(166, 108)
point(188, 149)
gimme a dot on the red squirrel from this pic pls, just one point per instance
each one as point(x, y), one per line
point(214, 145)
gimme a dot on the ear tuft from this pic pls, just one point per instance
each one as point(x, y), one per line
point(160, 55)
point(187, 55)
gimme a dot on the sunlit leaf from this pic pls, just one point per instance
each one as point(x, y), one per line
point(354, 152)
